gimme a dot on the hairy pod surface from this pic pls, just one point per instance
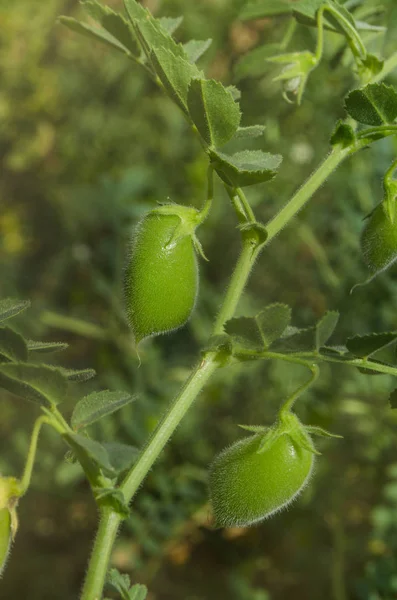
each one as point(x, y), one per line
point(5, 536)
point(379, 240)
point(247, 487)
point(161, 278)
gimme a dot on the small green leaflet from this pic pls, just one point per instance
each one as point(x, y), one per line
point(170, 24)
point(273, 321)
point(175, 73)
point(9, 307)
point(37, 383)
point(375, 104)
point(213, 111)
point(121, 456)
point(12, 346)
point(252, 131)
point(122, 584)
point(97, 405)
point(325, 328)
point(258, 333)
point(149, 30)
point(45, 347)
point(114, 23)
point(366, 345)
point(343, 135)
point(89, 452)
point(78, 375)
point(245, 332)
point(196, 48)
point(245, 168)
point(393, 399)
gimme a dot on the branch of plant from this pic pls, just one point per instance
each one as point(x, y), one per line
point(305, 358)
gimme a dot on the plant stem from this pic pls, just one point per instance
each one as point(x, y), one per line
point(168, 424)
point(237, 284)
point(100, 557)
point(286, 407)
point(297, 202)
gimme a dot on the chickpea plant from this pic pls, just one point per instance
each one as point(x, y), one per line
point(266, 470)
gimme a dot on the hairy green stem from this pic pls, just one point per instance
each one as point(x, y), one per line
point(298, 201)
point(168, 424)
point(237, 284)
point(100, 557)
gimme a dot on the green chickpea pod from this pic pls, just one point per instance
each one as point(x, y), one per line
point(260, 475)
point(161, 278)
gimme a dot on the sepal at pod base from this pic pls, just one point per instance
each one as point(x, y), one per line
point(9, 495)
point(161, 276)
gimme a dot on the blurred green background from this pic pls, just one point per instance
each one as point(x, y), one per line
point(87, 145)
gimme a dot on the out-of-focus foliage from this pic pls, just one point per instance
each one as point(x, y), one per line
point(87, 145)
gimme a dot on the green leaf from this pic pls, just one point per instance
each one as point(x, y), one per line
point(150, 32)
point(235, 92)
point(343, 135)
point(375, 104)
point(195, 49)
point(9, 307)
point(78, 375)
point(336, 352)
point(175, 73)
point(114, 23)
point(273, 321)
point(393, 399)
point(252, 131)
point(170, 24)
point(121, 583)
point(245, 332)
point(138, 592)
point(325, 328)
point(253, 63)
point(93, 33)
point(245, 168)
point(37, 383)
point(301, 340)
point(365, 345)
point(213, 111)
point(264, 8)
point(12, 346)
point(97, 405)
point(46, 347)
point(121, 456)
point(89, 451)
